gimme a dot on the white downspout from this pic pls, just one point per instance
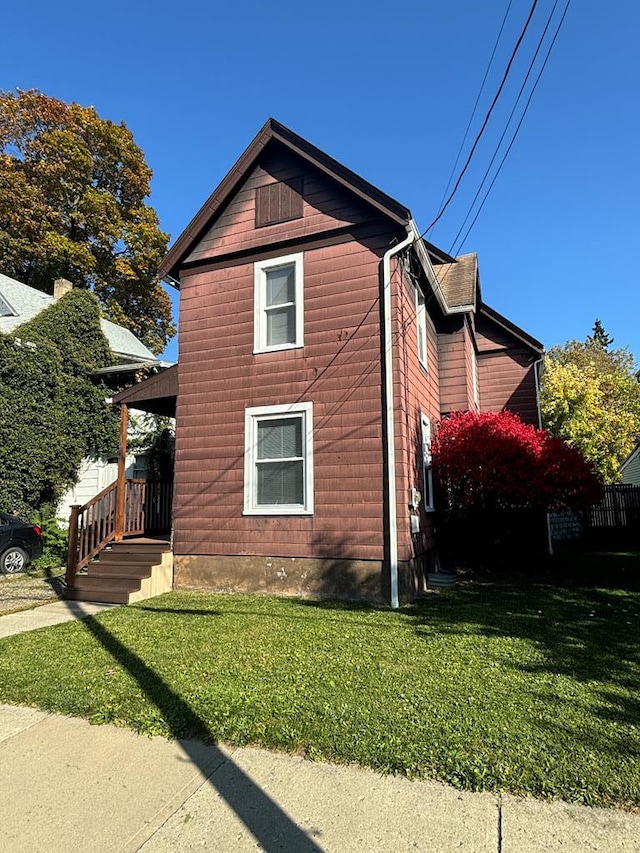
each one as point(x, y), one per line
point(389, 417)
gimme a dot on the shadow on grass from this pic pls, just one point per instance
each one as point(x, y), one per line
point(268, 823)
point(582, 613)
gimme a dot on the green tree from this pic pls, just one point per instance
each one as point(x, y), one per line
point(590, 397)
point(73, 190)
point(53, 412)
point(599, 337)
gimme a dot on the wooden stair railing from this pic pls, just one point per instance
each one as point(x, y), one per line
point(147, 508)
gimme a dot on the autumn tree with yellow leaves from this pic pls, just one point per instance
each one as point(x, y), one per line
point(590, 397)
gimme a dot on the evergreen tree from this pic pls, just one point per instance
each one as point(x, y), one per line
point(599, 337)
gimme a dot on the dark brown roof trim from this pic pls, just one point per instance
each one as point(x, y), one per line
point(353, 182)
point(335, 237)
point(273, 130)
point(160, 385)
point(516, 331)
point(438, 256)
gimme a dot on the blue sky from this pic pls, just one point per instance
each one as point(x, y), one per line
point(387, 90)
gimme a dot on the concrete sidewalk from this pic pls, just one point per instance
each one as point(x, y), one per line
point(67, 785)
point(48, 614)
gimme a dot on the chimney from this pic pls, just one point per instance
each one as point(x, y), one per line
point(60, 287)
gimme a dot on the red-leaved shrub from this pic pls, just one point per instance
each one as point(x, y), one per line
point(493, 461)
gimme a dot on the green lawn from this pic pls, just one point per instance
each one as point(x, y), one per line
point(529, 688)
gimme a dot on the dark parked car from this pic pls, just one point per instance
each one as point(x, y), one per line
point(20, 543)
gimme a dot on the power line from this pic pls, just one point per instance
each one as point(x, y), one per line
point(368, 368)
point(508, 122)
point(486, 119)
point(475, 106)
point(513, 139)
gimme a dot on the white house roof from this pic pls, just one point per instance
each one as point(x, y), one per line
point(124, 343)
point(22, 301)
point(19, 302)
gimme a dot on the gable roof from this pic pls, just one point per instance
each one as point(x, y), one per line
point(459, 281)
point(26, 303)
point(124, 343)
point(514, 330)
point(273, 131)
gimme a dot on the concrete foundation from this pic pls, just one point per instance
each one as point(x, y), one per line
point(322, 577)
point(304, 576)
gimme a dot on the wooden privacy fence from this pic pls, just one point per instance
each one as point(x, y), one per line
point(143, 508)
point(618, 509)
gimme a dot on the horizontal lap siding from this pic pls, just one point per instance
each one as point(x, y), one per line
point(507, 381)
point(631, 472)
point(506, 371)
point(469, 361)
point(324, 208)
point(416, 391)
point(453, 370)
point(338, 369)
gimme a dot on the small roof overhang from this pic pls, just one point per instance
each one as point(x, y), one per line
point(274, 131)
point(156, 395)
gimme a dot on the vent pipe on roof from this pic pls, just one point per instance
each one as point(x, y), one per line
point(60, 287)
point(389, 423)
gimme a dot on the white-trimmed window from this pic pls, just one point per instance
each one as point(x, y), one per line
point(278, 306)
point(427, 473)
point(474, 376)
point(421, 327)
point(278, 460)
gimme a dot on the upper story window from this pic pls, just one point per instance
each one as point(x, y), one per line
point(279, 460)
point(421, 327)
point(279, 202)
point(278, 305)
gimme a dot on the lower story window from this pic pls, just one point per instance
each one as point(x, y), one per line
point(279, 460)
point(427, 473)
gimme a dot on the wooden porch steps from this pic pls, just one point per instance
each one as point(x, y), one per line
point(126, 571)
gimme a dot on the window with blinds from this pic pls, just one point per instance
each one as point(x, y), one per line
point(279, 460)
point(278, 303)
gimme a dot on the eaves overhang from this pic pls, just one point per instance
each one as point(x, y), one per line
point(272, 130)
point(425, 261)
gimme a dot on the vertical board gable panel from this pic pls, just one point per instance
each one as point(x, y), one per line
point(325, 206)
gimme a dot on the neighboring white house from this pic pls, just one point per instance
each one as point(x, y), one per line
point(18, 303)
point(630, 468)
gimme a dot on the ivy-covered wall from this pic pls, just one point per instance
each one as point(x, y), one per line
point(52, 414)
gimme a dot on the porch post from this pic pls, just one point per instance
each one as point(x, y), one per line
point(121, 485)
point(72, 553)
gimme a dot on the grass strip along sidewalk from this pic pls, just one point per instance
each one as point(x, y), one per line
point(528, 688)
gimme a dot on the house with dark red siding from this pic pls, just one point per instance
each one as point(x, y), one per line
point(321, 340)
